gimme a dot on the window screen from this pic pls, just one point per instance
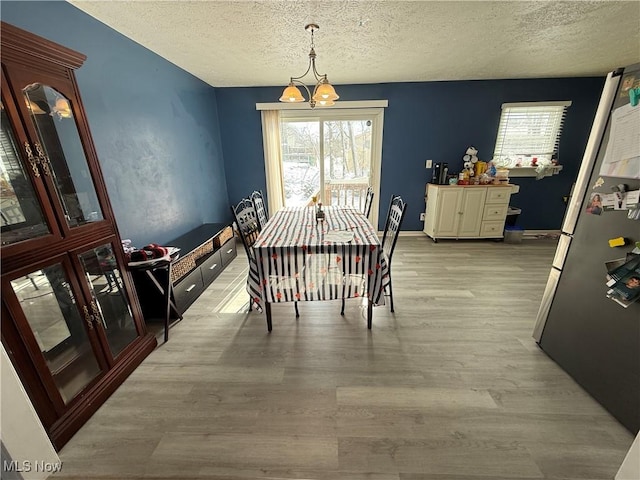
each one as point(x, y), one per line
point(530, 129)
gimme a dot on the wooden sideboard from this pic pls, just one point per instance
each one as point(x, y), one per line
point(469, 211)
point(204, 252)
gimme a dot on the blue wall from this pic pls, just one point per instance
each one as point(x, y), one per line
point(432, 120)
point(160, 141)
point(155, 127)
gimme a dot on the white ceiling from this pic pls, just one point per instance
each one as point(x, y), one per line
point(260, 43)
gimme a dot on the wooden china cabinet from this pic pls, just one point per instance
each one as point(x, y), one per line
point(71, 322)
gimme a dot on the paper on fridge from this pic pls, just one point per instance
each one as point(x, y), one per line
point(622, 156)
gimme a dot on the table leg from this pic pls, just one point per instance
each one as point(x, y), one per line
point(369, 313)
point(166, 292)
point(167, 312)
point(267, 311)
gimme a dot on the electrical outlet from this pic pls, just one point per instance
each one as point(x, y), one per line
point(429, 163)
point(422, 217)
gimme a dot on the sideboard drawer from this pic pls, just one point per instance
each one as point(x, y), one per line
point(228, 251)
point(188, 289)
point(495, 212)
point(498, 195)
point(211, 268)
point(492, 229)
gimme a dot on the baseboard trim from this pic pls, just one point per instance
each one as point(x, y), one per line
point(542, 233)
point(526, 233)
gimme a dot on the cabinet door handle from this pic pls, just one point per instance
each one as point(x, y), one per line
point(213, 266)
point(32, 160)
point(190, 288)
point(95, 311)
point(43, 159)
point(87, 317)
point(97, 315)
point(230, 250)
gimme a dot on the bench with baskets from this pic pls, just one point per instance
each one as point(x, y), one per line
point(204, 252)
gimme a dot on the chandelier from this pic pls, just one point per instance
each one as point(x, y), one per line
point(324, 95)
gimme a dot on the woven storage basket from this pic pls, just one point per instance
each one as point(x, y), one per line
point(222, 238)
point(202, 250)
point(182, 267)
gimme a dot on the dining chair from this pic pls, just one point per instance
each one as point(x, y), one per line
point(368, 201)
point(244, 214)
point(395, 216)
point(261, 209)
point(249, 229)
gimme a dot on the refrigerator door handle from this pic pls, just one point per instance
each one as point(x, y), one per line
point(561, 251)
point(545, 304)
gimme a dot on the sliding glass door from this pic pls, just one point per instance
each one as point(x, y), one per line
point(332, 155)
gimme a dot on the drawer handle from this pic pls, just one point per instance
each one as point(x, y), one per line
point(213, 266)
point(230, 250)
point(190, 288)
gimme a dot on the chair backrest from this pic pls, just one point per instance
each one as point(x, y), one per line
point(260, 207)
point(368, 201)
point(248, 226)
point(395, 216)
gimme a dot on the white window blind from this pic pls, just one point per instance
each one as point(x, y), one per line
point(530, 129)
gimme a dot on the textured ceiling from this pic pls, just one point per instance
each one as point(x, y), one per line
point(259, 43)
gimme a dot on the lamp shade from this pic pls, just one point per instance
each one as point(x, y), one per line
point(291, 94)
point(62, 108)
point(325, 103)
point(34, 107)
point(325, 91)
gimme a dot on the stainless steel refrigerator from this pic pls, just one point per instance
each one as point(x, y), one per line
point(593, 338)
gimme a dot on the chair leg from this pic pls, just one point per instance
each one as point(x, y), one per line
point(267, 311)
point(250, 303)
point(295, 304)
point(342, 310)
point(391, 294)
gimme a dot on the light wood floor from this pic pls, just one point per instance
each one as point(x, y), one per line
point(450, 387)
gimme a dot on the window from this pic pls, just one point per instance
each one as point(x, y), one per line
point(529, 133)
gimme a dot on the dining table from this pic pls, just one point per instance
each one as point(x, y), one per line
point(300, 256)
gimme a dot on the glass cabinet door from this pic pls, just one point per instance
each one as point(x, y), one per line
point(59, 327)
point(21, 215)
point(60, 143)
point(110, 304)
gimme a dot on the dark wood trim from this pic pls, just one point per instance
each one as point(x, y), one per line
point(18, 45)
point(78, 415)
point(99, 231)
